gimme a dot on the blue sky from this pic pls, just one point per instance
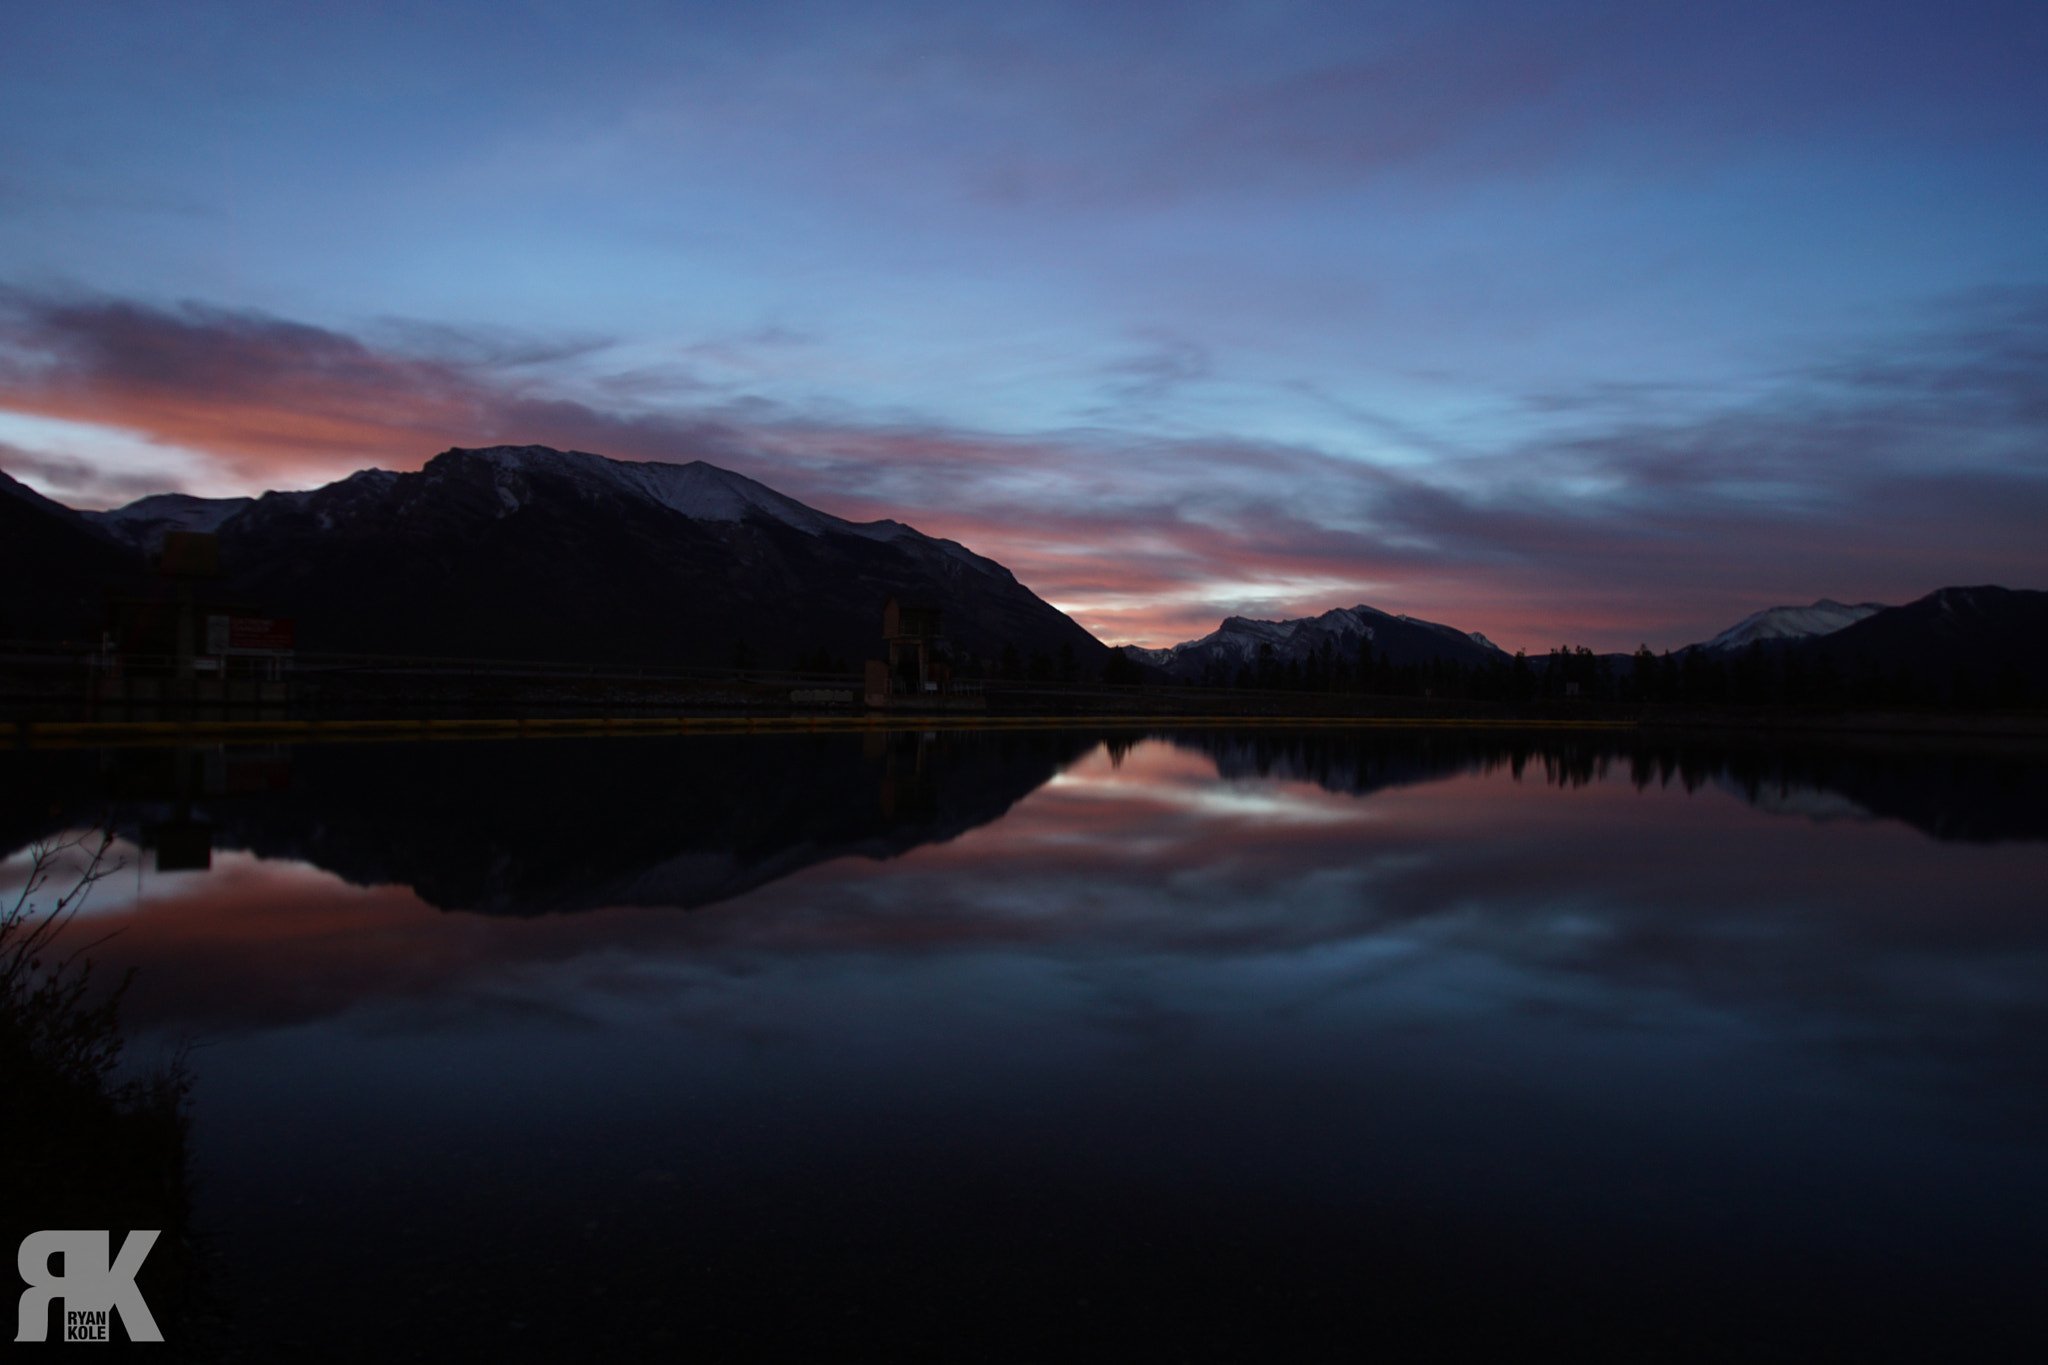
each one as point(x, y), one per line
point(1567, 322)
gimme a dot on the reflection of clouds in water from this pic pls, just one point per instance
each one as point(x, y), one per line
point(1815, 803)
point(1656, 910)
point(479, 1008)
point(68, 856)
point(132, 878)
point(1585, 1025)
point(1163, 902)
point(1197, 790)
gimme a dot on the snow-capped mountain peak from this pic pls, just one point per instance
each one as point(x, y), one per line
point(1240, 640)
point(700, 491)
point(1824, 617)
point(142, 523)
point(526, 551)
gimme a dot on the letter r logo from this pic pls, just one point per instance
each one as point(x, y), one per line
point(88, 1281)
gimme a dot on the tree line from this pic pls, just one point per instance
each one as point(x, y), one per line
point(1757, 677)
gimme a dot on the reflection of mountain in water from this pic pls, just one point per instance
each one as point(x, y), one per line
point(1967, 795)
point(527, 827)
point(1356, 763)
point(1973, 797)
point(1811, 803)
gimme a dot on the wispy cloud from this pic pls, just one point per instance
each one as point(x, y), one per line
point(69, 478)
point(1876, 476)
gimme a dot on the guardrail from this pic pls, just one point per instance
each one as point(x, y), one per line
point(97, 734)
point(314, 666)
point(307, 664)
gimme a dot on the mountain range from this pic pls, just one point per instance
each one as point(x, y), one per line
point(688, 822)
point(1989, 638)
point(1241, 641)
point(1987, 632)
point(1411, 640)
point(529, 552)
point(1824, 617)
point(534, 553)
point(55, 568)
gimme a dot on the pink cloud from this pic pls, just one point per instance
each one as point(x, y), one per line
point(1893, 477)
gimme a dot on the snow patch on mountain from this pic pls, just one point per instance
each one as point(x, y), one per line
point(1240, 638)
point(1818, 804)
point(142, 523)
point(700, 491)
point(1824, 617)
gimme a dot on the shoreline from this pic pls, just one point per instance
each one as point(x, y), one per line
point(218, 728)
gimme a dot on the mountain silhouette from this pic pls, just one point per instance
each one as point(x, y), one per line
point(56, 568)
point(1241, 641)
point(1979, 635)
point(527, 552)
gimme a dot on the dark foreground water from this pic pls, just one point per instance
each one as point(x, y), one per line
point(1231, 1046)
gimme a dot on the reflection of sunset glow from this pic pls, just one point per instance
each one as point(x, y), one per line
point(1284, 804)
point(1398, 948)
point(130, 880)
point(1150, 851)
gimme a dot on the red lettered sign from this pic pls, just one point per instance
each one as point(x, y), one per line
point(266, 633)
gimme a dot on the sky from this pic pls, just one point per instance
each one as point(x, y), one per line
point(1571, 323)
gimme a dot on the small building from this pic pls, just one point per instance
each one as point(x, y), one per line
point(911, 634)
point(917, 672)
point(180, 634)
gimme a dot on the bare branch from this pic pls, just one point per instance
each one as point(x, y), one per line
point(45, 1004)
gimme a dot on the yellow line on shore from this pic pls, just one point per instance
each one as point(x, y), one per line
point(74, 734)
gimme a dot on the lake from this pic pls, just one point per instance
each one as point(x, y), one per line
point(1210, 1044)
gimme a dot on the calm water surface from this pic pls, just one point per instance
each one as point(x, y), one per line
point(1207, 1046)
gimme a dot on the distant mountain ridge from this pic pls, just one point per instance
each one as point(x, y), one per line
point(1242, 641)
point(1962, 644)
point(142, 523)
point(699, 491)
point(531, 552)
point(1824, 617)
point(1984, 636)
point(56, 567)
